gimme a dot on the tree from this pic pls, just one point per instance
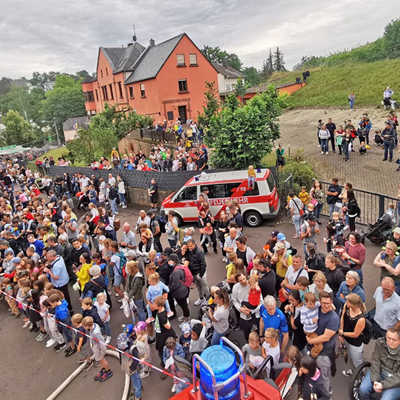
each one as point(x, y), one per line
point(240, 89)
point(268, 66)
point(241, 136)
point(216, 55)
point(83, 75)
point(211, 107)
point(44, 80)
point(18, 130)
point(278, 63)
point(392, 39)
point(64, 101)
point(251, 76)
point(5, 85)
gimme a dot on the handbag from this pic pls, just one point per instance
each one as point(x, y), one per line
point(301, 211)
point(281, 293)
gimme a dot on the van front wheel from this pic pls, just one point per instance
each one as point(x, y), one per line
point(252, 218)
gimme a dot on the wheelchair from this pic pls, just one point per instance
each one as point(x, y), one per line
point(359, 374)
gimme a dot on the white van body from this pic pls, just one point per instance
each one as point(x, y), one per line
point(256, 204)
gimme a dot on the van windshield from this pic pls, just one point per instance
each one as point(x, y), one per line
point(188, 193)
point(271, 181)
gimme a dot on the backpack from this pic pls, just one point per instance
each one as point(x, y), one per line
point(366, 334)
point(161, 221)
point(188, 275)
point(122, 262)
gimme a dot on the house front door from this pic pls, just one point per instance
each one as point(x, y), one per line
point(182, 113)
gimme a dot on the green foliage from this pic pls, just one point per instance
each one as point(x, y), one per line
point(392, 38)
point(64, 101)
point(251, 76)
point(240, 88)
point(241, 135)
point(296, 173)
point(104, 132)
point(268, 66)
point(18, 130)
point(278, 63)
point(331, 86)
point(216, 55)
point(211, 105)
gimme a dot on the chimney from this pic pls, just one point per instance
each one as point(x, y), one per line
point(152, 43)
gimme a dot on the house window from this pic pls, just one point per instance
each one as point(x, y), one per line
point(193, 59)
point(105, 94)
point(170, 115)
point(142, 90)
point(101, 73)
point(182, 85)
point(97, 95)
point(180, 60)
point(106, 71)
point(121, 96)
point(111, 91)
point(131, 92)
point(89, 96)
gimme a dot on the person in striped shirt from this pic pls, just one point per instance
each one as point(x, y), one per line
point(309, 320)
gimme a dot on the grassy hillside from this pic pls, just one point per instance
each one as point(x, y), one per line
point(330, 86)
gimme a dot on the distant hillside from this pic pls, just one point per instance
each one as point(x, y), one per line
point(330, 86)
point(366, 70)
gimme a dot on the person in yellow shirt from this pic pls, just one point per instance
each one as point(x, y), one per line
point(83, 272)
point(282, 260)
point(251, 177)
point(304, 196)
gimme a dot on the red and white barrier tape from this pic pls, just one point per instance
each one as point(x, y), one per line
point(162, 371)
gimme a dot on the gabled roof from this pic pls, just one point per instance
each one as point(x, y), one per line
point(227, 71)
point(123, 58)
point(152, 59)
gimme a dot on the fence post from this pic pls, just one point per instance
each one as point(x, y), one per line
point(381, 205)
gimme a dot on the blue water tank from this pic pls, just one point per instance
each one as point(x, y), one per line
point(222, 361)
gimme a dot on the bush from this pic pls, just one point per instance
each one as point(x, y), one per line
point(296, 173)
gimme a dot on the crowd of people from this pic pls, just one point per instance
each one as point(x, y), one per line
point(343, 138)
point(66, 267)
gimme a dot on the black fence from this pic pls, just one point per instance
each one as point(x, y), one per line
point(372, 205)
point(154, 135)
point(139, 179)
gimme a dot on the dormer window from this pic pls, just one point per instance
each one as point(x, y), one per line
point(180, 60)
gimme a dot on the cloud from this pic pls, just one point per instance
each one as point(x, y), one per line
point(46, 35)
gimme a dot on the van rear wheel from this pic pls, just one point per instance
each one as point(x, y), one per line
point(252, 218)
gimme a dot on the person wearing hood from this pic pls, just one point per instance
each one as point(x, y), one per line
point(384, 374)
point(61, 314)
point(178, 291)
point(134, 288)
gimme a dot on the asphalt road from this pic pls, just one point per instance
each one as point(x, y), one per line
point(30, 371)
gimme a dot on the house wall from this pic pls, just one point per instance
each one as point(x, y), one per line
point(196, 77)
point(162, 92)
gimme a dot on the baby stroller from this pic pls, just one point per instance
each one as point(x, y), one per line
point(380, 231)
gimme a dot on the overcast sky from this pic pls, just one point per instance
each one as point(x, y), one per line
point(49, 35)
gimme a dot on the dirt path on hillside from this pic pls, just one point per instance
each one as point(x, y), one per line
point(369, 172)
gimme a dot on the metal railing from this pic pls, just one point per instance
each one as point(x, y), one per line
point(372, 205)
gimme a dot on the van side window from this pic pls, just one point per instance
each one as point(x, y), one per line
point(215, 191)
point(253, 192)
point(189, 193)
point(271, 181)
point(230, 187)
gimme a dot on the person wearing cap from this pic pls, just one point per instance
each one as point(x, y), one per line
point(266, 276)
point(281, 259)
point(389, 263)
point(155, 229)
point(395, 237)
point(204, 193)
point(270, 245)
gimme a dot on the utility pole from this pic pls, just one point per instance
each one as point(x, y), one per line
point(58, 137)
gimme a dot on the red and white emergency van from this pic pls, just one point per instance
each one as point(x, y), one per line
point(256, 204)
